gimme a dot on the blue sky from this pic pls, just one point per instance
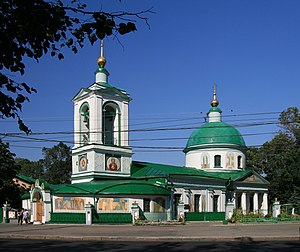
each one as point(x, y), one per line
point(250, 49)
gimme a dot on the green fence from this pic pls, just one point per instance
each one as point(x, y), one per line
point(1, 215)
point(68, 218)
point(270, 220)
point(112, 218)
point(290, 209)
point(205, 216)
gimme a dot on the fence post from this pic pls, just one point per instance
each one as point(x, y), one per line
point(6, 208)
point(135, 212)
point(88, 214)
point(181, 211)
point(276, 208)
point(229, 210)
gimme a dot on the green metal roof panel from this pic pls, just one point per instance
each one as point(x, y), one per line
point(117, 187)
point(136, 189)
point(215, 133)
point(143, 169)
point(26, 179)
point(215, 109)
point(102, 70)
point(25, 196)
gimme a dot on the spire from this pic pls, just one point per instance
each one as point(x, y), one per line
point(214, 114)
point(101, 73)
point(214, 102)
point(101, 61)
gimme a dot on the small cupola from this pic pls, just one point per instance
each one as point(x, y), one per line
point(101, 73)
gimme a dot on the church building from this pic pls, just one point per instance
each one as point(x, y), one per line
point(106, 181)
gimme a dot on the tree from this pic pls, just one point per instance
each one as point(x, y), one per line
point(8, 170)
point(34, 28)
point(290, 122)
point(279, 159)
point(57, 164)
point(33, 169)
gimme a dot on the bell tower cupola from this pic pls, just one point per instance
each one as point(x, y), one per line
point(101, 73)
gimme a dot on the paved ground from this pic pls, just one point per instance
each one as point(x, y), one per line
point(44, 245)
point(193, 231)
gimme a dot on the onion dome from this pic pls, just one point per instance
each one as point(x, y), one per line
point(215, 133)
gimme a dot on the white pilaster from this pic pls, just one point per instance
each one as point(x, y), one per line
point(96, 119)
point(244, 203)
point(235, 200)
point(76, 125)
point(255, 203)
point(264, 208)
point(222, 202)
point(124, 125)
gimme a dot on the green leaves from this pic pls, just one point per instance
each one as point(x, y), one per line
point(126, 28)
point(57, 164)
point(8, 170)
point(279, 159)
point(34, 28)
point(290, 121)
point(11, 99)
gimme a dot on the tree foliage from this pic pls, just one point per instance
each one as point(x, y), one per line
point(34, 28)
point(32, 169)
point(279, 159)
point(55, 167)
point(290, 121)
point(57, 164)
point(8, 170)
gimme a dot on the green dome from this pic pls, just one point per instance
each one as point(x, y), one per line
point(215, 133)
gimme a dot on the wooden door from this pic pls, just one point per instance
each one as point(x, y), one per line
point(39, 211)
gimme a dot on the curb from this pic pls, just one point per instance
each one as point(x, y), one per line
point(162, 238)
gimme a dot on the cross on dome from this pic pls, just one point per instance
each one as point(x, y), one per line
point(214, 102)
point(101, 61)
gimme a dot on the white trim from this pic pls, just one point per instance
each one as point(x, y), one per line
point(242, 188)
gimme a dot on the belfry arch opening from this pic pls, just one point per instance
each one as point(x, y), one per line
point(111, 124)
point(84, 123)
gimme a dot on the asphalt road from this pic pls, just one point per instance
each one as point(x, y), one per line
point(194, 231)
point(147, 246)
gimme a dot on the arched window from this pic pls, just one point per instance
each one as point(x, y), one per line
point(239, 161)
point(217, 159)
point(111, 124)
point(84, 123)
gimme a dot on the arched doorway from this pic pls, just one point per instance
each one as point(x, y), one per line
point(37, 205)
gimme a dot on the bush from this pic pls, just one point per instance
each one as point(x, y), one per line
point(238, 215)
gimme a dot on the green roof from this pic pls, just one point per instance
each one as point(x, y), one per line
point(117, 187)
point(143, 169)
point(25, 196)
point(215, 133)
point(105, 84)
point(26, 179)
point(215, 109)
point(102, 70)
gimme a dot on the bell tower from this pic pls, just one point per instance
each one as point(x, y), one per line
point(101, 145)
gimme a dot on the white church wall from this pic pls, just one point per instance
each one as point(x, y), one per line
point(194, 158)
point(96, 102)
